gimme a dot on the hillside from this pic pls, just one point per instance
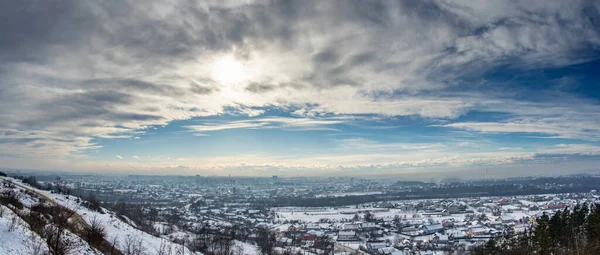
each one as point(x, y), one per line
point(42, 209)
point(15, 236)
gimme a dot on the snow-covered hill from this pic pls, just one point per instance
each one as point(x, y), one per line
point(15, 236)
point(120, 234)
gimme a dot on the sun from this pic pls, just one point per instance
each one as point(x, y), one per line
point(229, 72)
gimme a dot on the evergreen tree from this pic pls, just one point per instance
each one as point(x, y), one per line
point(566, 232)
point(542, 240)
point(593, 229)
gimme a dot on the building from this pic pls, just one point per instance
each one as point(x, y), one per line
point(480, 231)
point(308, 240)
point(350, 226)
point(434, 228)
point(347, 236)
point(368, 225)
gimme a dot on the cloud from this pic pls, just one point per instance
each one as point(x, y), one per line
point(567, 118)
point(99, 77)
point(495, 127)
point(260, 88)
point(268, 123)
point(443, 160)
point(361, 144)
point(218, 127)
point(119, 156)
point(202, 90)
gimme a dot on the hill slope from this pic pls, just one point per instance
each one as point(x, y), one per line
point(120, 237)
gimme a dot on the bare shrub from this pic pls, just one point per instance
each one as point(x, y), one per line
point(9, 197)
point(36, 221)
point(94, 232)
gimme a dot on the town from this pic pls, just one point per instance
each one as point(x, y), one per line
point(424, 221)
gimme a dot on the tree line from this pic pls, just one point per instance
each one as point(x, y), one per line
point(567, 231)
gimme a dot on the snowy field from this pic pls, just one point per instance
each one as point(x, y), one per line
point(344, 214)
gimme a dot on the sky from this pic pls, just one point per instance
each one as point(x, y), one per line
point(442, 88)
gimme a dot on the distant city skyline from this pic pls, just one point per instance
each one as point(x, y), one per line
point(301, 88)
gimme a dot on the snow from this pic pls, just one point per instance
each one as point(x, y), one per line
point(79, 245)
point(118, 232)
point(19, 240)
point(248, 249)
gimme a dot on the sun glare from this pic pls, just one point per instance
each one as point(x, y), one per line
point(229, 72)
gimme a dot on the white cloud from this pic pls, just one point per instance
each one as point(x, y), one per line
point(555, 127)
point(361, 144)
point(268, 122)
point(319, 60)
point(119, 156)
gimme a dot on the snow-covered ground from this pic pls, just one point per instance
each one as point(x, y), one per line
point(315, 214)
point(18, 240)
point(246, 248)
point(118, 232)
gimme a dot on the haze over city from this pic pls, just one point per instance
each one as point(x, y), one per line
point(301, 88)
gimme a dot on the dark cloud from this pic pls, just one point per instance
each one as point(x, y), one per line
point(374, 12)
point(19, 140)
point(134, 117)
point(361, 58)
point(29, 28)
point(203, 89)
point(133, 86)
point(260, 88)
point(79, 106)
point(326, 56)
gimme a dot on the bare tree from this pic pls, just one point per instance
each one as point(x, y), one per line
point(57, 241)
point(237, 250)
point(266, 241)
point(133, 245)
point(325, 243)
point(181, 250)
point(55, 233)
point(113, 246)
point(165, 248)
point(14, 223)
point(35, 245)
